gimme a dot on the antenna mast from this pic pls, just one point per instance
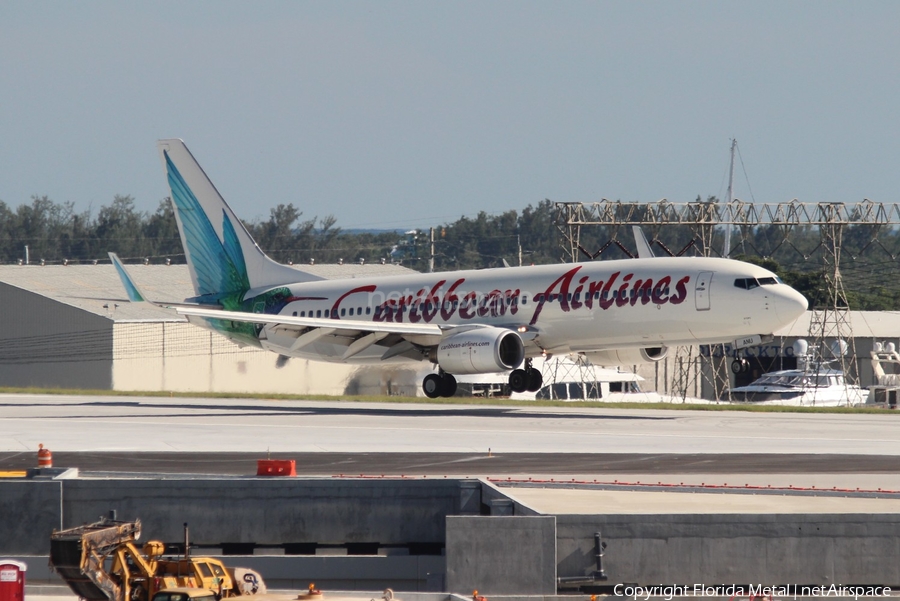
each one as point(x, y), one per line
point(727, 250)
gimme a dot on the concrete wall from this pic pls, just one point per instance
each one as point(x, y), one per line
point(183, 357)
point(29, 511)
point(247, 510)
point(267, 512)
point(423, 573)
point(46, 343)
point(501, 555)
point(714, 549)
point(402, 573)
point(163, 355)
point(505, 552)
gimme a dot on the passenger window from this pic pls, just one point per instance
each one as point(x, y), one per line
point(318, 312)
point(343, 312)
point(368, 310)
point(295, 314)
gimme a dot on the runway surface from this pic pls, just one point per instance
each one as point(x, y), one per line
point(227, 436)
point(466, 464)
point(133, 424)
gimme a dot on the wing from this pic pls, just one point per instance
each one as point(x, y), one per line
point(288, 335)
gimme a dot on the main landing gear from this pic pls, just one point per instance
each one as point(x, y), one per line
point(529, 379)
point(440, 384)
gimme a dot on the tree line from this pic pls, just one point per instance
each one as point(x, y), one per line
point(55, 233)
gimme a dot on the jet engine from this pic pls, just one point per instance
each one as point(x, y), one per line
point(630, 356)
point(480, 351)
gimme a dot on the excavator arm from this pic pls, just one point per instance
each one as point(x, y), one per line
point(79, 555)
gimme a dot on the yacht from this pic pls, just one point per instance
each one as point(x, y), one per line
point(814, 383)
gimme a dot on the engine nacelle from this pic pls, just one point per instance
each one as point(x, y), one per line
point(629, 356)
point(480, 351)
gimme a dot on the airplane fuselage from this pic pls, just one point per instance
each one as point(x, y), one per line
point(583, 307)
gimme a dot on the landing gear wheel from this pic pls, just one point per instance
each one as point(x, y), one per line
point(518, 380)
point(431, 385)
point(448, 385)
point(535, 380)
point(740, 366)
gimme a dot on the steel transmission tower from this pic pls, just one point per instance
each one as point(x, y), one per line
point(763, 229)
point(830, 317)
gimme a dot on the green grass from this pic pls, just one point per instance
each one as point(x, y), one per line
point(450, 401)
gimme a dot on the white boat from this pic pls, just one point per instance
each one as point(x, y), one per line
point(565, 378)
point(813, 384)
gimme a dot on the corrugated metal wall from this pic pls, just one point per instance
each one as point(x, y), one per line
point(46, 343)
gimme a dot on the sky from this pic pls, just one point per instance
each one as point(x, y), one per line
point(411, 114)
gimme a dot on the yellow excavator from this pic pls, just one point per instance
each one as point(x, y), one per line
point(100, 562)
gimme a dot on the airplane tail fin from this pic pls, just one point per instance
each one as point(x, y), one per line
point(221, 255)
point(643, 247)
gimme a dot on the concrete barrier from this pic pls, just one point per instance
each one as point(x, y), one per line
point(729, 548)
point(423, 573)
point(29, 511)
point(268, 511)
point(487, 538)
point(259, 511)
point(501, 555)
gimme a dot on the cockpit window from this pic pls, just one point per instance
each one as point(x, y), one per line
point(751, 283)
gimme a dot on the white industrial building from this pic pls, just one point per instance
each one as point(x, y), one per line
point(73, 327)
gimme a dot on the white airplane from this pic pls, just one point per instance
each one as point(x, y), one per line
point(619, 312)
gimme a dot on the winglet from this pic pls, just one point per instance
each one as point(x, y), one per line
point(643, 247)
point(131, 289)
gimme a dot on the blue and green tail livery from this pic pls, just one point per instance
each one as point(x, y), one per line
point(131, 288)
point(224, 260)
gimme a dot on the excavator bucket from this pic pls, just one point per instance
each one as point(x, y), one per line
point(77, 555)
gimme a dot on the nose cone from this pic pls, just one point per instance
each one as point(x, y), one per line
point(789, 304)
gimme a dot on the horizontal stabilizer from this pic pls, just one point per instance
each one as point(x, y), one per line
point(131, 288)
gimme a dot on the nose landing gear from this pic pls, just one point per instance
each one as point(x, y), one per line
point(740, 366)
